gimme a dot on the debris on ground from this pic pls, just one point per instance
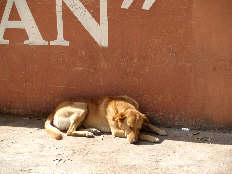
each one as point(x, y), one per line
point(205, 139)
point(57, 161)
point(185, 129)
point(102, 137)
point(196, 133)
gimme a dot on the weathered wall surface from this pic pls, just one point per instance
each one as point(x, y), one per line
point(173, 56)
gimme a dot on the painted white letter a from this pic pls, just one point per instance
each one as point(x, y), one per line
point(27, 22)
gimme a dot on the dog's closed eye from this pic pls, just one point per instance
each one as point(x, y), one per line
point(119, 116)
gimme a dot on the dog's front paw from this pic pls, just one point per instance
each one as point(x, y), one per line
point(162, 132)
point(155, 140)
point(89, 135)
point(95, 131)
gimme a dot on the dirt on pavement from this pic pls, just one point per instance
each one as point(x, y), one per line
point(26, 148)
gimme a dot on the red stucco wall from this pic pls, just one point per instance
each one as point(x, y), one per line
point(175, 59)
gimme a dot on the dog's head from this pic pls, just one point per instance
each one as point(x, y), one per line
point(131, 122)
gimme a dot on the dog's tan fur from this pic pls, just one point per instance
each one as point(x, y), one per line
point(118, 115)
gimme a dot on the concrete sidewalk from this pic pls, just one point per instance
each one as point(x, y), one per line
point(26, 148)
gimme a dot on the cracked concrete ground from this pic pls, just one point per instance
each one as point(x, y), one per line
point(26, 148)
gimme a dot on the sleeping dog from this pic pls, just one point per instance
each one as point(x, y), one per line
point(118, 115)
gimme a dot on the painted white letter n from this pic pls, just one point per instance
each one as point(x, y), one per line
point(99, 32)
point(27, 22)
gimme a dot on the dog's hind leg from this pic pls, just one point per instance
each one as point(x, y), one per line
point(75, 121)
point(151, 128)
point(82, 134)
point(92, 130)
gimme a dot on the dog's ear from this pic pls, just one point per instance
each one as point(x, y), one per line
point(119, 116)
point(145, 119)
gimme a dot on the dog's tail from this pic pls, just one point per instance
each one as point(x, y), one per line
point(50, 129)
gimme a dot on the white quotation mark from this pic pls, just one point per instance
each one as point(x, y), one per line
point(146, 5)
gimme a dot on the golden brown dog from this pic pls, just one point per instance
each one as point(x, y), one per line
point(118, 115)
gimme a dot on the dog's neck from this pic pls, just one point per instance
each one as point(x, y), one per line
point(119, 109)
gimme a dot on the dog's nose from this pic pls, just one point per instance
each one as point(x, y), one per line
point(133, 141)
